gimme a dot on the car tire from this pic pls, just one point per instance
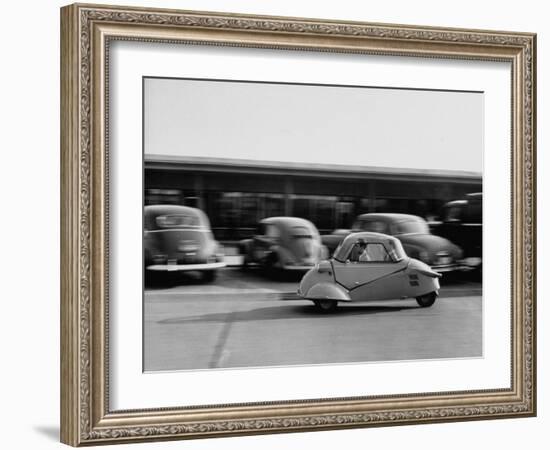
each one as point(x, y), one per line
point(425, 301)
point(151, 278)
point(271, 269)
point(326, 306)
point(243, 251)
point(209, 275)
point(245, 265)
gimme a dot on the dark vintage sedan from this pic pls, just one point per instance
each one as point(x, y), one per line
point(178, 238)
point(413, 232)
point(462, 223)
point(284, 243)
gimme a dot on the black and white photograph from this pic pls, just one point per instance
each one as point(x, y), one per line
point(294, 224)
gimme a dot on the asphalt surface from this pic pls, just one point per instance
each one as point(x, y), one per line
point(248, 320)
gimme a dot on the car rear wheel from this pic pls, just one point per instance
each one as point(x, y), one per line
point(209, 275)
point(427, 300)
point(272, 268)
point(326, 306)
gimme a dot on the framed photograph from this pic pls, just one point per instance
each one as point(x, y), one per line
point(274, 224)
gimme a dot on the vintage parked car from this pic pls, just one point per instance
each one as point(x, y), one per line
point(178, 238)
point(284, 243)
point(369, 266)
point(462, 223)
point(413, 232)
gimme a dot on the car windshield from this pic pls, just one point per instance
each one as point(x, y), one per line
point(178, 221)
point(301, 232)
point(410, 226)
point(338, 254)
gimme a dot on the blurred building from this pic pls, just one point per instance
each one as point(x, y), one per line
point(237, 193)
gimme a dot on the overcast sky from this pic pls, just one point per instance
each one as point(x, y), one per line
point(318, 124)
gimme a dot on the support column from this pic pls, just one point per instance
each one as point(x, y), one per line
point(198, 187)
point(289, 190)
point(372, 196)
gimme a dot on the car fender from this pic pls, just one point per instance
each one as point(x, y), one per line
point(427, 280)
point(324, 291)
point(430, 273)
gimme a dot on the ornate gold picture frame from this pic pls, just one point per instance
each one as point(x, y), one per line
point(87, 32)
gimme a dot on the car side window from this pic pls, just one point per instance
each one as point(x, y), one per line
point(260, 229)
point(375, 226)
point(375, 252)
point(272, 232)
point(453, 214)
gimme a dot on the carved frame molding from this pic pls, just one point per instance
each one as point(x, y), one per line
point(86, 32)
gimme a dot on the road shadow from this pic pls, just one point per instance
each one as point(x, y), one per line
point(284, 313)
point(164, 280)
point(263, 274)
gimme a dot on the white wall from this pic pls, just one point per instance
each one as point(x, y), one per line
point(29, 227)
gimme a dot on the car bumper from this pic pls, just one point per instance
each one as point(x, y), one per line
point(298, 268)
point(464, 265)
point(470, 263)
point(445, 268)
point(185, 267)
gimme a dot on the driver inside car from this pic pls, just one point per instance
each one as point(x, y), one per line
point(363, 252)
point(359, 252)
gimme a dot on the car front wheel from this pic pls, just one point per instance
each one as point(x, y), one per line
point(326, 306)
point(427, 300)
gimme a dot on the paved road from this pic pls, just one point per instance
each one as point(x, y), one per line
point(246, 320)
